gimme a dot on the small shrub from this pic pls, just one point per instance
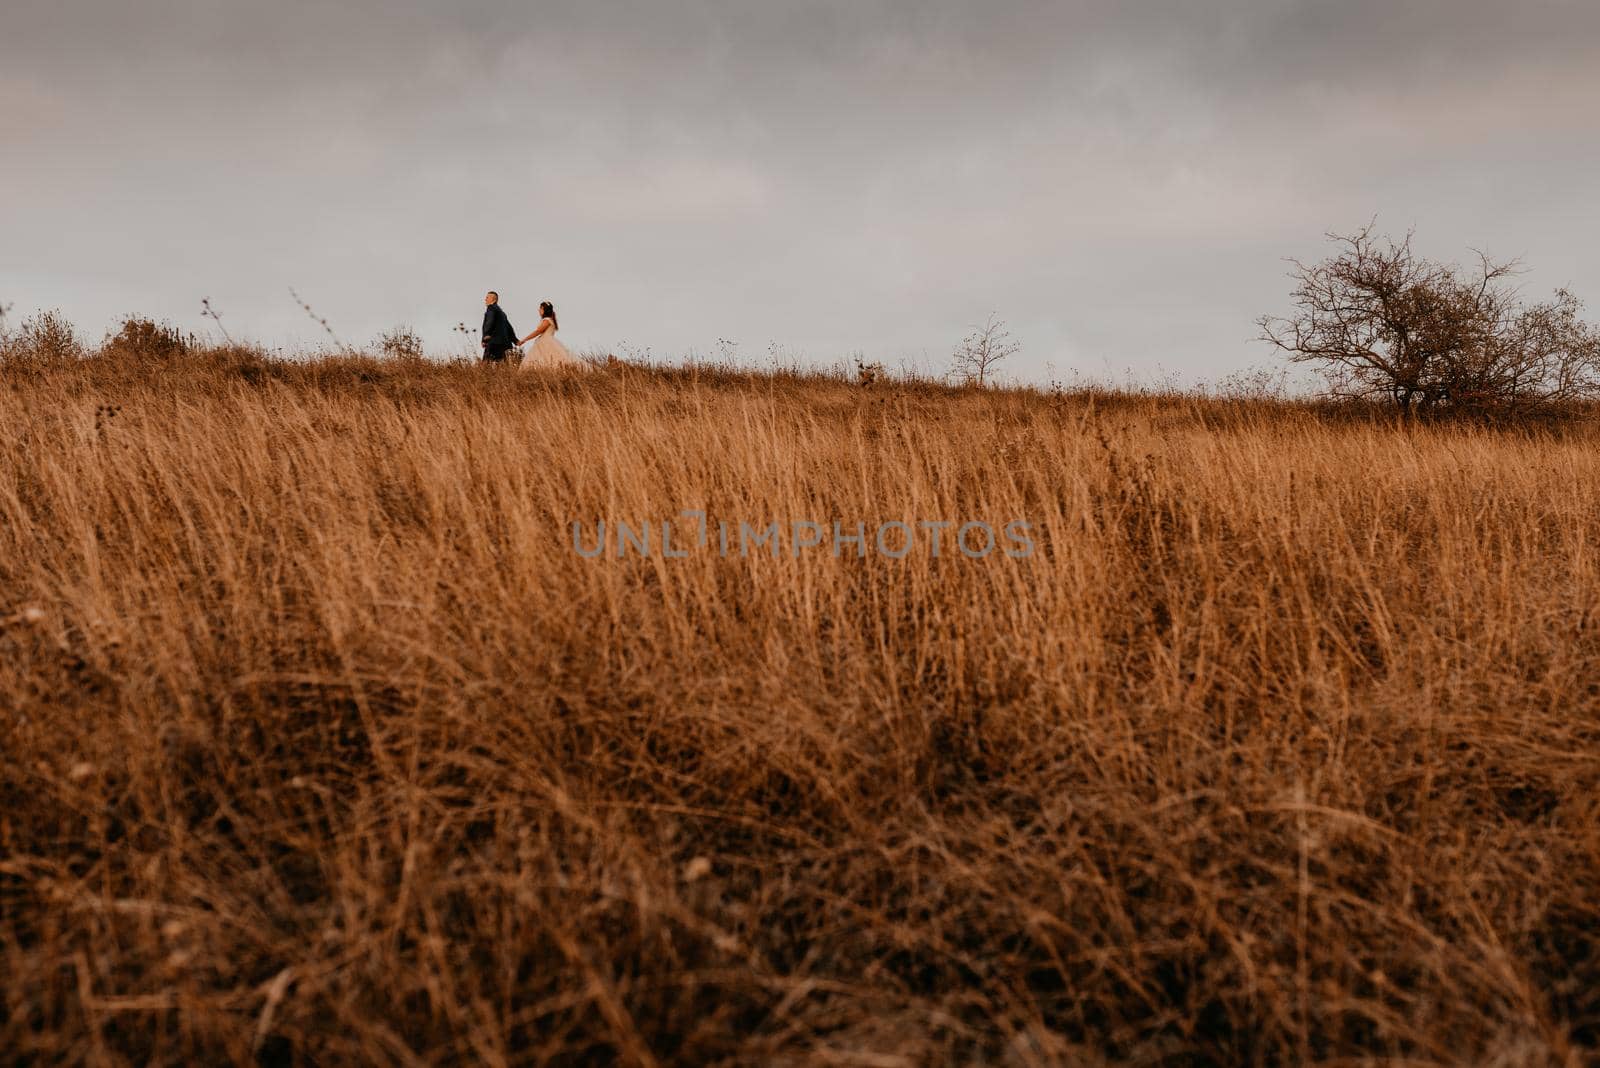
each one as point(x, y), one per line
point(401, 343)
point(145, 337)
point(47, 337)
point(1256, 384)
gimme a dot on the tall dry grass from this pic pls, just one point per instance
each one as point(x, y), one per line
point(319, 744)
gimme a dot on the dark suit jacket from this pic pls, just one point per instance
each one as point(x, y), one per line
point(497, 331)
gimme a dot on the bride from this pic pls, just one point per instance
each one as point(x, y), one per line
point(548, 351)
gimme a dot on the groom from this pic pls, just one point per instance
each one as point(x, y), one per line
point(498, 337)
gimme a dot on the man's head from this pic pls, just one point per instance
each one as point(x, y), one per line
point(491, 297)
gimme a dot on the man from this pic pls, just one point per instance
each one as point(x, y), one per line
point(498, 336)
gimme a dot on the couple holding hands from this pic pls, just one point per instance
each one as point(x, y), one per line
point(499, 338)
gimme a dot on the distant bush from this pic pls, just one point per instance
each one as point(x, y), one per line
point(401, 343)
point(46, 337)
point(1255, 384)
point(146, 337)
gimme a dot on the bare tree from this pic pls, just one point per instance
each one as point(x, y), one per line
point(980, 350)
point(1380, 322)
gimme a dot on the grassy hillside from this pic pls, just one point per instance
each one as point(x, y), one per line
point(320, 743)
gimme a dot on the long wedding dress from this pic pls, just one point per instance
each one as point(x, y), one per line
point(548, 353)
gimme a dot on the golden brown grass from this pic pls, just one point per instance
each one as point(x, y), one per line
point(319, 744)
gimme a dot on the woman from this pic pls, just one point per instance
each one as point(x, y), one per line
point(548, 352)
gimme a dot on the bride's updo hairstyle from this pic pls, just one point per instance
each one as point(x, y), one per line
point(548, 311)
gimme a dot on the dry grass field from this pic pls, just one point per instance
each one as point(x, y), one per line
point(321, 744)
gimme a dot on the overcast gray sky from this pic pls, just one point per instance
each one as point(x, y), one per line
point(1118, 180)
